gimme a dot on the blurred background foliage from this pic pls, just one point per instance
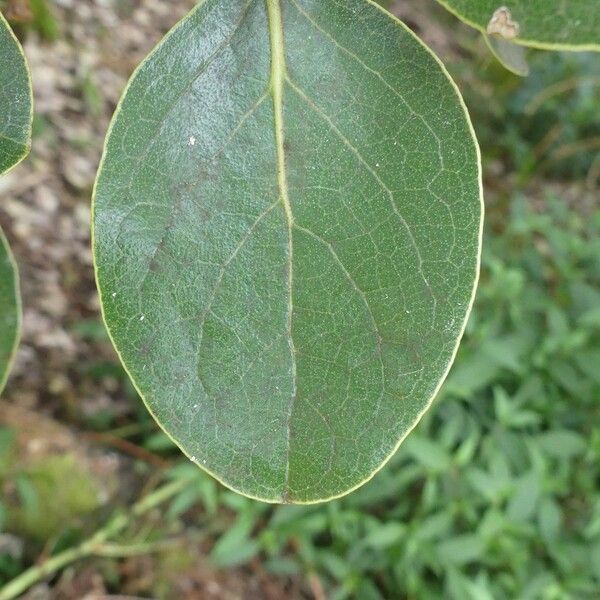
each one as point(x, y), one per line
point(496, 494)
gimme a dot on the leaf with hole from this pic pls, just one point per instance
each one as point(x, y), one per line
point(547, 24)
point(15, 136)
point(287, 224)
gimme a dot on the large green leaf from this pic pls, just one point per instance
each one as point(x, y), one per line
point(287, 233)
point(552, 24)
point(15, 136)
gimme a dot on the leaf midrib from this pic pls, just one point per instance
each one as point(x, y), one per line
point(278, 77)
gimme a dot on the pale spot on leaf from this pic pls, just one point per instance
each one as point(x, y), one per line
point(502, 24)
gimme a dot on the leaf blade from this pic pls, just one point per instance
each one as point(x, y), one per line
point(203, 323)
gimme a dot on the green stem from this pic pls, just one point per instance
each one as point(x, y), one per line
point(91, 546)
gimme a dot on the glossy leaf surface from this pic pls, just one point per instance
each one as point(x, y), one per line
point(15, 136)
point(287, 227)
point(552, 24)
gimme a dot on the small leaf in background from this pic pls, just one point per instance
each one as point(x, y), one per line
point(235, 546)
point(562, 443)
point(548, 24)
point(428, 453)
point(183, 502)
point(461, 549)
point(523, 503)
point(508, 54)
point(435, 527)
point(287, 234)
point(549, 520)
point(384, 535)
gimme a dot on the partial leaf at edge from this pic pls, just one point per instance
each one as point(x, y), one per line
point(15, 100)
point(550, 24)
point(287, 226)
point(15, 136)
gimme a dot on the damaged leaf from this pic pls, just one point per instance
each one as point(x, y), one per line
point(502, 25)
point(550, 24)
